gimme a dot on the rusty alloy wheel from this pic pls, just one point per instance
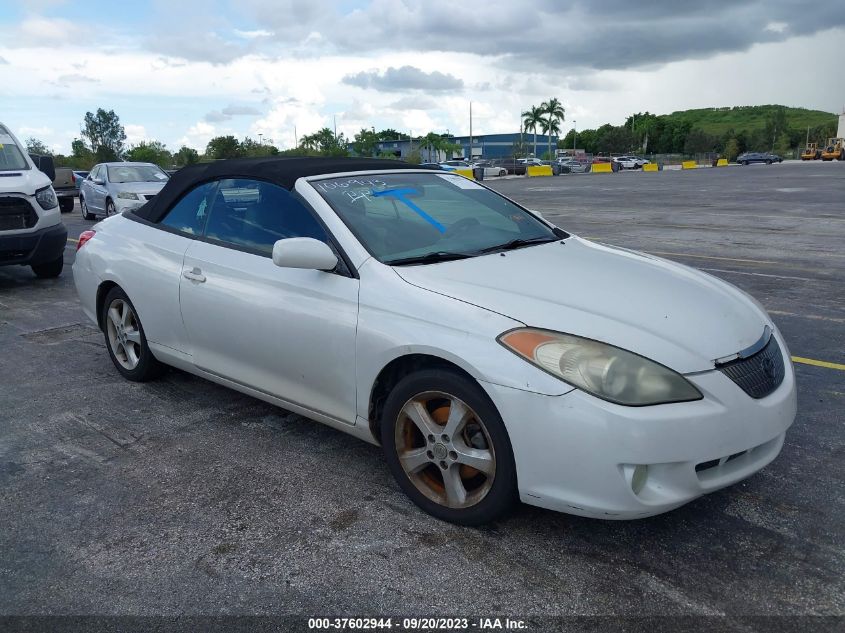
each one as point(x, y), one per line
point(445, 449)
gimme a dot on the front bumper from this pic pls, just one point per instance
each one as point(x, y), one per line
point(38, 247)
point(577, 454)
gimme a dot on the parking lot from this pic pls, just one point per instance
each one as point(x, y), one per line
point(183, 497)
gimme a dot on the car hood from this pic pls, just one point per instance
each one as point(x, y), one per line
point(25, 181)
point(137, 187)
point(676, 315)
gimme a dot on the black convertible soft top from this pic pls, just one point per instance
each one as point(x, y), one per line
point(281, 171)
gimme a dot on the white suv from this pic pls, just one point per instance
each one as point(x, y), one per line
point(31, 229)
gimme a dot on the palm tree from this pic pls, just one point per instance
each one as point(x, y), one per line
point(532, 119)
point(555, 112)
point(550, 127)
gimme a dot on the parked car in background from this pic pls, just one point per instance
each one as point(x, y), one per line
point(64, 184)
point(31, 229)
point(633, 388)
point(758, 157)
point(490, 170)
point(630, 162)
point(511, 165)
point(573, 166)
point(113, 188)
point(531, 161)
point(80, 176)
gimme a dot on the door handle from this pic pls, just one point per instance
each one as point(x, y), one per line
point(194, 275)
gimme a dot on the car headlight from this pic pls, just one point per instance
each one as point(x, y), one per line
point(605, 371)
point(46, 197)
point(128, 195)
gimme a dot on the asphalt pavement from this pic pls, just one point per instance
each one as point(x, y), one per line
point(183, 497)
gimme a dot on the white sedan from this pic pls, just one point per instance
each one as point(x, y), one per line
point(493, 356)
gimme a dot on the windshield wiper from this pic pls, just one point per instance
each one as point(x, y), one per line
point(519, 243)
point(428, 258)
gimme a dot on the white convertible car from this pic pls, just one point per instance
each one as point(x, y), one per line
point(493, 356)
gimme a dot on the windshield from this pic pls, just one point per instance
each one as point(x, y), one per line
point(403, 216)
point(11, 157)
point(136, 173)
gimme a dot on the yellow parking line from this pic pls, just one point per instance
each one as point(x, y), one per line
point(818, 363)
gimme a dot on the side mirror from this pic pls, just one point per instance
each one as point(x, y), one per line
point(303, 252)
point(99, 181)
point(45, 164)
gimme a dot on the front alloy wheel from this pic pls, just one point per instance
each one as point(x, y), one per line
point(110, 209)
point(447, 447)
point(445, 450)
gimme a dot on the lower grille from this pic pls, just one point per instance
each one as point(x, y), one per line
point(16, 213)
point(760, 374)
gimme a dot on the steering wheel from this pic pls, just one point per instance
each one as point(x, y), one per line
point(463, 225)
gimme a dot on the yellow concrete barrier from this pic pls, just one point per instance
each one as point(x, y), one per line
point(539, 170)
point(651, 167)
point(466, 173)
point(689, 164)
point(602, 168)
point(722, 162)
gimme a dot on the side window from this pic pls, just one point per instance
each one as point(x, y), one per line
point(253, 214)
point(96, 173)
point(190, 213)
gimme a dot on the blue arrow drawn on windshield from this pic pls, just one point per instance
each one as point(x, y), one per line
point(399, 194)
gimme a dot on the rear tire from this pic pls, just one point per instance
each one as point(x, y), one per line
point(66, 205)
point(50, 269)
point(465, 429)
point(125, 339)
point(83, 208)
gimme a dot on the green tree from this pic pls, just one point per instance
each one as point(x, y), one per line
point(105, 134)
point(550, 128)
point(150, 152)
point(34, 146)
point(776, 125)
point(731, 149)
point(366, 142)
point(555, 114)
point(257, 149)
point(532, 118)
point(223, 147)
point(325, 143)
point(699, 142)
point(186, 156)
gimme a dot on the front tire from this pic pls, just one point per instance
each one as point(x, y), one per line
point(83, 208)
point(50, 269)
point(447, 447)
point(125, 339)
point(110, 208)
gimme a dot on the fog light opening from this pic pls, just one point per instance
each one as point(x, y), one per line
point(639, 478)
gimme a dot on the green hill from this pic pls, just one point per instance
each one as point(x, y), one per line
point(718, 121)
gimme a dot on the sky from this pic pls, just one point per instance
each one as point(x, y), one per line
point(182, 72)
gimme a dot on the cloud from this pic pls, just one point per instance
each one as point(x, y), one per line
point(135, 133)
point(612, 34)
point(420, 102)
point(75, 78)
point(218, 116)
point(234, 110)
point(251, 35)
point(405, 78)
point(3, 61)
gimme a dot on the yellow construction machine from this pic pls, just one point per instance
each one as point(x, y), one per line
point(834, 149)
point(811, 152)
